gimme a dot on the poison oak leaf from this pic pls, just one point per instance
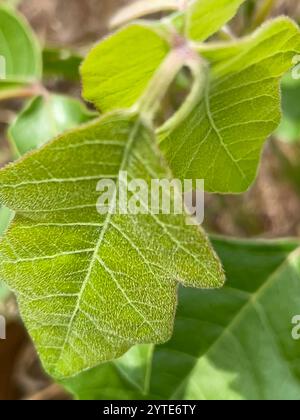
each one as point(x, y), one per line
point(221, 136)
point(90, 286)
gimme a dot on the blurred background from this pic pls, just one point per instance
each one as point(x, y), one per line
point(270, 209)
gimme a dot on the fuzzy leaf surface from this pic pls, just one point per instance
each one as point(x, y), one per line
point(116, 72)
point(90, 286)
point(230, 344)
point(220, 140)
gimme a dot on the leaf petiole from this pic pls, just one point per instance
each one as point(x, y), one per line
point(199, 69)
point(181, 55)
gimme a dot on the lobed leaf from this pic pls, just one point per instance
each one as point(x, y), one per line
point(230, 344)
point(91, 286)
point(220, 140)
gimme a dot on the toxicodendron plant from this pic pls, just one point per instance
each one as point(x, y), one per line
point(90, 287)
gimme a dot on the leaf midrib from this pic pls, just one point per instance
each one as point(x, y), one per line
point(100, 240)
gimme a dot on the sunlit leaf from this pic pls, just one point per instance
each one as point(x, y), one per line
point(231, 344)
point(221, 138)
point(116, 72)
point(44, 118)
point(91, 286)
point(206, 17)
point(19, 47)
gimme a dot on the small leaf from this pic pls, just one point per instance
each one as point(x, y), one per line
point(206, 17)
point(117, 71)
point(91, 286)
point(230, 344)
point(44, 118)
point(19, 48)
point(220, 140)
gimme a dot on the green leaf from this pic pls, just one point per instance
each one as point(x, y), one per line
point(90, 286)
point(221, 137)
point(44, 118)
point(206, 17)
point(234, 343)
point(61, 63)
point(19, 48)
point(289, 129)
point(117, 71)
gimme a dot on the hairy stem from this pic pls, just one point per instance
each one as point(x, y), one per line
point(180, 56)
point(199, 69)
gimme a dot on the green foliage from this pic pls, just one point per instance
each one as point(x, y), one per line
point(239, 109)
point(91, 287)
point(132, 263)
point(61, 63)
point(206, 17)
point(289, 129)
point(44, 118)
point(233, 343)
point(114, 81)
point(19, 47)
point(6, 216)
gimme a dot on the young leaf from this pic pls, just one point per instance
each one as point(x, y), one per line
point(221, 138)
point(90, 286)
point(19, 48)
point(117, 71)
point(44, 118)
point(206, 17)
point(234, 343)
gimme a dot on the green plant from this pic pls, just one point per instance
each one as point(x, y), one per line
point(92, 287)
